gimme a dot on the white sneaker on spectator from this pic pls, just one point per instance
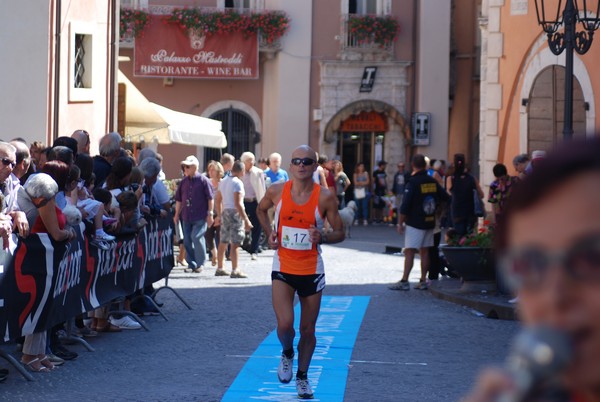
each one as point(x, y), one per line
point(125, 322)
point(102, 245)
point(101, 235)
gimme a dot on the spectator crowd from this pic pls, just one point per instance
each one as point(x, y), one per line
point(51, 189)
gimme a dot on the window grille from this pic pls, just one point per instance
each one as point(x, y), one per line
point(79, 61)
point(239, 130)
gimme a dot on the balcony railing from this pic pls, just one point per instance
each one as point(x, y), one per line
point(368, 32)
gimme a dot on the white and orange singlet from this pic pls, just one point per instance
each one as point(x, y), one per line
point(296, 254)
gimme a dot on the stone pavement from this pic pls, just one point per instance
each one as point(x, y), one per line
point(411, 346)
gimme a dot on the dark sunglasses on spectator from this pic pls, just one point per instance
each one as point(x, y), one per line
point(6, 162)
point(527, 267)
point(304, 161)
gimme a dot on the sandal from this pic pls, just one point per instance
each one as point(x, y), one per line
point(45, 361)
point(109, 327)
point(35, 368)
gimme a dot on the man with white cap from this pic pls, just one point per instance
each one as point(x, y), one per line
point(194, 206)
point(536, 157)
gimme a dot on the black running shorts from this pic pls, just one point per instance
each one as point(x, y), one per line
point(304, 285)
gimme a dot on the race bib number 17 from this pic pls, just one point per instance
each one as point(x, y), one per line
point(295, 238)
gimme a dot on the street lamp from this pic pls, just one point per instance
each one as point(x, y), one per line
point(569, 40)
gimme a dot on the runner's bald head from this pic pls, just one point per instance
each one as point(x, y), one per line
point(305, 151)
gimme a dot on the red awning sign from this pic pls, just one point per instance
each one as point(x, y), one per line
point(365, 122)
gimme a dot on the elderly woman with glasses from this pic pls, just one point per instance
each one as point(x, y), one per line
point(36, 199)
point(549, 240)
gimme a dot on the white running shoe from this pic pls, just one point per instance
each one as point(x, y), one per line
point(125, 322)
point(304, 389)
point(102, 245)
point(101, 235)
point(284, 371)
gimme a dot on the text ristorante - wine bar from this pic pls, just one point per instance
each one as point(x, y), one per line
point(166, 50)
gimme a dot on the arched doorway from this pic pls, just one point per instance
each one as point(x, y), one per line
point(240, 131)
point(546, 109)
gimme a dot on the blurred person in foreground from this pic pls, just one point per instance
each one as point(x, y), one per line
point(549, 240)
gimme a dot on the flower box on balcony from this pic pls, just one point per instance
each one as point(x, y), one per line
point(270, 25)
point(132, 23)
point(369, 31)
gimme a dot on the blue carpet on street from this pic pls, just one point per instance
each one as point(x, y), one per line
point(337, 327)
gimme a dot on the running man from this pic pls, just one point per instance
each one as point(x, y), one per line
point(301, 208)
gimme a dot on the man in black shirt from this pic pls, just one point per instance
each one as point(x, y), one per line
point(422, 195)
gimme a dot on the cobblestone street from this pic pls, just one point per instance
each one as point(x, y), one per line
point(410, 346)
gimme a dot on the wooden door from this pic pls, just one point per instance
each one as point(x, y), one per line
point(546, 109)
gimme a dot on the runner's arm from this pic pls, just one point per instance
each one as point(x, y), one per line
point(264, 205)
point(328, 203)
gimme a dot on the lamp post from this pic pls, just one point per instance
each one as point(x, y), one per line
point(570, 39)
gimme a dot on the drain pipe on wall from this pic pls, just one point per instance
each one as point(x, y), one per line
point(113, 65)
point(57, 33)
point(415, 29)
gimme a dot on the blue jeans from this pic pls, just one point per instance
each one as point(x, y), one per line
point(362, 210)
point(193, 240)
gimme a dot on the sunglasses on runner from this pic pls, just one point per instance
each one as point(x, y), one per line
point(527, 267)
point(304, 161)
point(7, 161)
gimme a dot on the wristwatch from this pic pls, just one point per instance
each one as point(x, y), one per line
point(323, 238)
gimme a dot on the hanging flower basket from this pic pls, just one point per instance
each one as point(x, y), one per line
point(132, 23)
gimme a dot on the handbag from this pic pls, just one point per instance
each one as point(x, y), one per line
point(360, 193)
point(478, 209)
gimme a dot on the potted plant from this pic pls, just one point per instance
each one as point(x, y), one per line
point(472, 256)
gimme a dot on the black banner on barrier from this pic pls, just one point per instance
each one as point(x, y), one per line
point(44, 282)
